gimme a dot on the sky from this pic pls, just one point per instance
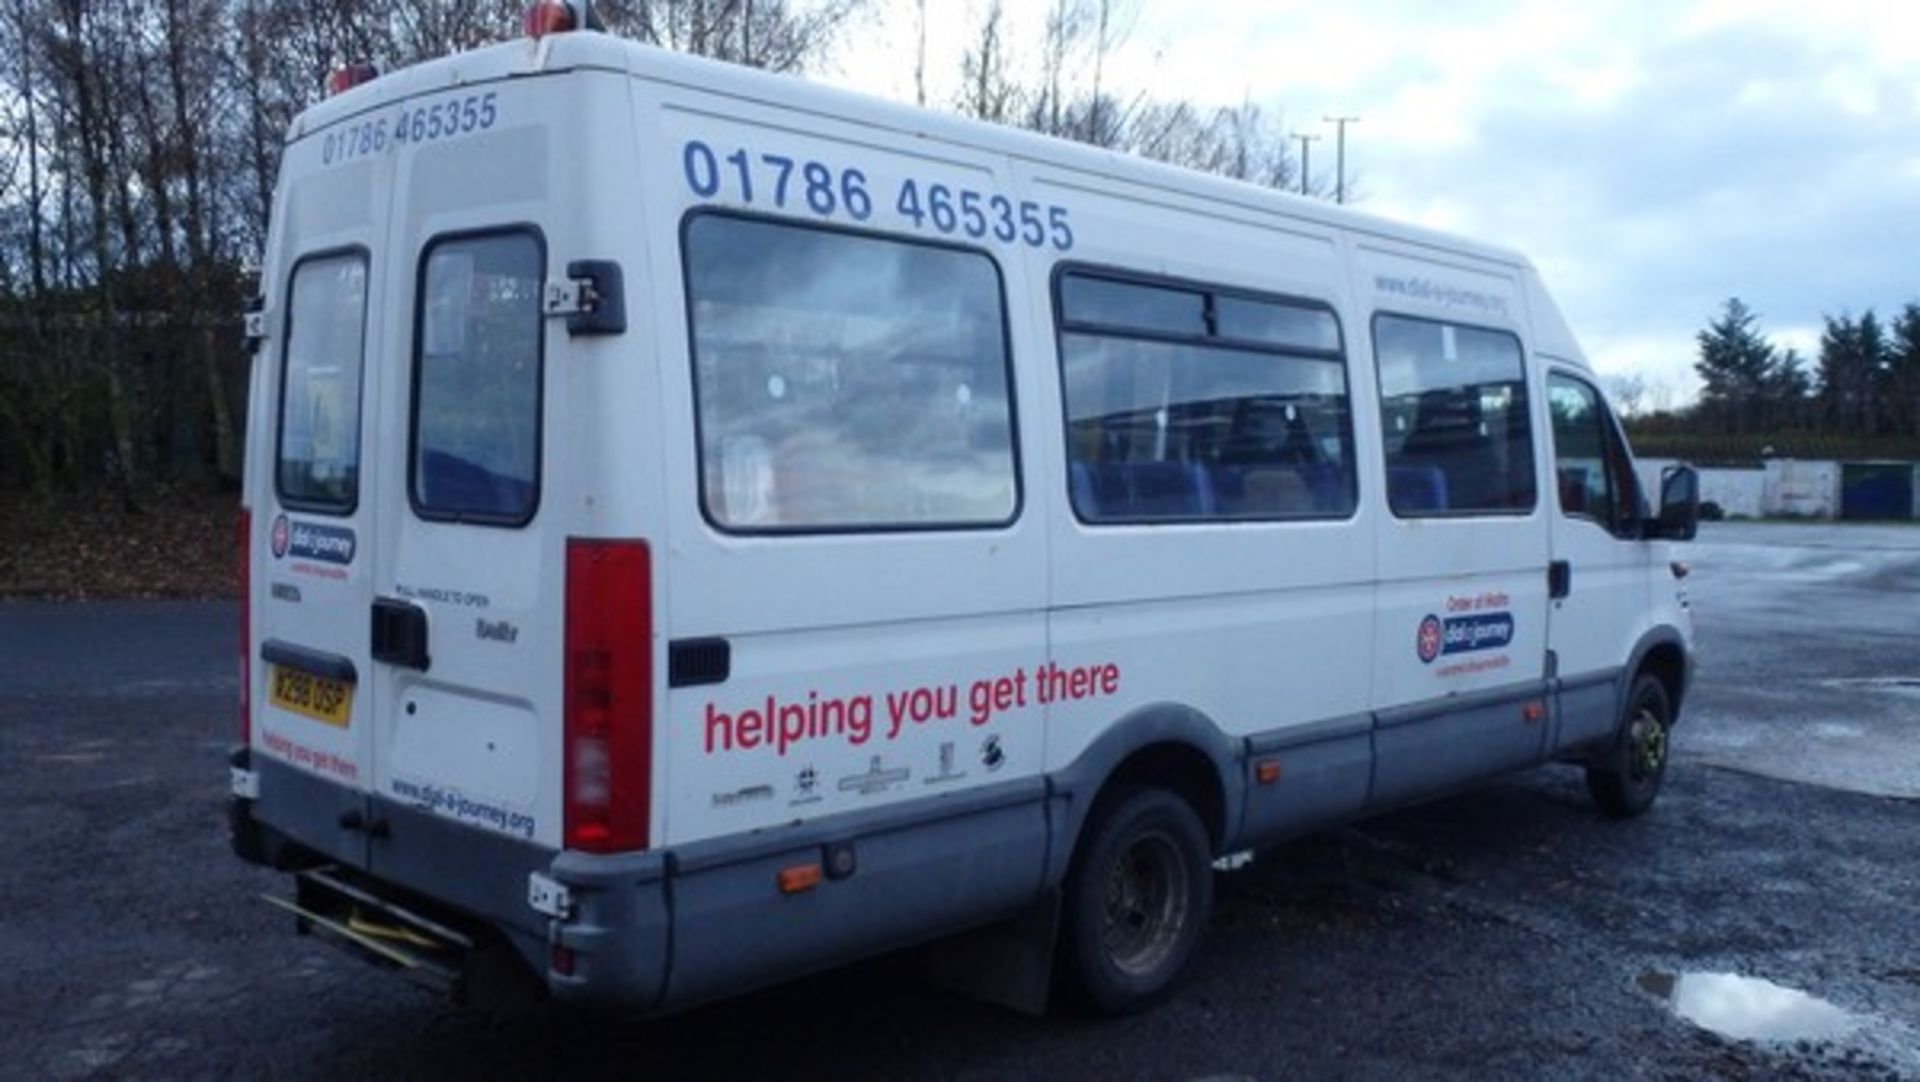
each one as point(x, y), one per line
point(1653, 159)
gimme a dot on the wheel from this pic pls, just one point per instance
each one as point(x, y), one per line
point(1625, 779)
point(1137, 899)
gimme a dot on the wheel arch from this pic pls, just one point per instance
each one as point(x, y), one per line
point(1663, 653)
point(1164, 745)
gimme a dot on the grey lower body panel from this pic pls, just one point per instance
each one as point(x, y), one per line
point(1325, 776)
point(313, 812)
point(661, 930)
point(1437, 746)
point(1589, 710)
point(935, 870)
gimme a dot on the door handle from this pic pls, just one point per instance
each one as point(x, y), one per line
point(1559, 579)
point(400, 633)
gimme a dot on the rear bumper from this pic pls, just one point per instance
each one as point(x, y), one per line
point(471, 877)
point(908, 874)
point(616, 934)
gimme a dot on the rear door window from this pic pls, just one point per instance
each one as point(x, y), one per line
point(318, 464)
point(477, 379)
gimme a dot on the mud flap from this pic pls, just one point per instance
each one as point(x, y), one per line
point(1009, 964)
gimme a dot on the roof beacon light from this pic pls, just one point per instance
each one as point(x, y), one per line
point(545, 17)
point(348, 76)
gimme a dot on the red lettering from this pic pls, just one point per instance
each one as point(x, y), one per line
point(1055, 684)
point(721, 724)
point(748, 724)
point(996, 695)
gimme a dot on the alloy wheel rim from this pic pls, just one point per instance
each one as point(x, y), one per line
point(1649, 742)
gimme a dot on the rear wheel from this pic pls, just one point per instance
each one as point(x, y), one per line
point(1626, 778)
point(1137, 900)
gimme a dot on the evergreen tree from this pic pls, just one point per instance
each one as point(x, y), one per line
point(1853, 362)
point(1903, 373)
point(1736, 365)
point(1789, 390)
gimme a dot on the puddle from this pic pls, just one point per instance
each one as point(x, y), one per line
point(1749, 1008)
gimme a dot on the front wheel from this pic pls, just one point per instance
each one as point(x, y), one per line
point(1137, 900)
point(1626, 778)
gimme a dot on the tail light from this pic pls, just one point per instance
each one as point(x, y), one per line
point(244, 550)
point(609, 696)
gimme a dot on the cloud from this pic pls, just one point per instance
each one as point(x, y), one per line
point(1653, 160)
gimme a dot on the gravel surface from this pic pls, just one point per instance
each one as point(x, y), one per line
point(1508, 932)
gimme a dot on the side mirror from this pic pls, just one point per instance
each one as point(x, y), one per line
point(1679, 517)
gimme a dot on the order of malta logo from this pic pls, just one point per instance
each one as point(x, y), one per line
point(1430, 639)
point(281, 537)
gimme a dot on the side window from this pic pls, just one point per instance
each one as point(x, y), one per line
point(1453, 403)
point(1591, 466)
point(477, 379)
point(317, 467)
point(1190, 402)
point(847, 381)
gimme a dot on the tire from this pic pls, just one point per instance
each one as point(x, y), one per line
point(1625, 779)
point(1137, 900)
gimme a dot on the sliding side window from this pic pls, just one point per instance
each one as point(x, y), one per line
point(1453, 403)
point(847, 381)
point(1190, 402)
point(476, 379)
point(318, 464)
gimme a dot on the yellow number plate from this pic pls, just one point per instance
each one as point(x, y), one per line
point(316, 697)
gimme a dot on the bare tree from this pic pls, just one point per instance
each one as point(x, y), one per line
point(1629, 393)
point(988, 90)
point(776, 35)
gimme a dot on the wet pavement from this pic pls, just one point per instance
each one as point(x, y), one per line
point(1759, 923)
point(1810, 653)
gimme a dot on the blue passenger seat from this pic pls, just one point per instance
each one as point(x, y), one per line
point(1417, 488)
point(1141, 490)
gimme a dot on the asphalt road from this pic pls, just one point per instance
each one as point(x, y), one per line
point(1509, 932)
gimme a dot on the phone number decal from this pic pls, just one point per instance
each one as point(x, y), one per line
point(781, 182)
point(443, 119)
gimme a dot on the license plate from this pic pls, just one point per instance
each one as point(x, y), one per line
point(316, 697)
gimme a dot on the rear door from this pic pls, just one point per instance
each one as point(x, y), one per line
point(466, 607)
point(327, 287)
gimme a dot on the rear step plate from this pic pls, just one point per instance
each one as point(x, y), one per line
point(376, 930)
point(421, 970)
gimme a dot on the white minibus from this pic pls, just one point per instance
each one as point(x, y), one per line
point(702, 527)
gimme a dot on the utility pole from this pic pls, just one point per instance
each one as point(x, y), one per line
point(1340, 169)
point(920, 61)
point(1306, 158)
